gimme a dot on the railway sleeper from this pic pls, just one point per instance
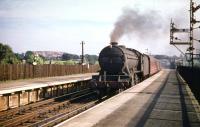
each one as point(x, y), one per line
point(31, 121)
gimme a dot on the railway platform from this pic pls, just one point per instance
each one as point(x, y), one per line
point(25, 84)
point(163, 100)
point(16, 93)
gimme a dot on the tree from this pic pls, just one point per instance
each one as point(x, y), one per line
point(19, 56)
point(30, 58)
point(92, 59)
point(6, 55)
point(67, 56)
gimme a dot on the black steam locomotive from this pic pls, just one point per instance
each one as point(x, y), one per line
point(122, 67)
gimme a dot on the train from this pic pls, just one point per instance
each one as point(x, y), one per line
point(121, 68)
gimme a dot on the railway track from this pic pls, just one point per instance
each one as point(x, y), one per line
point(37, 114)
point(82, 104)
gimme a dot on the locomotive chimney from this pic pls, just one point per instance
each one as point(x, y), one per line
point(114, 43)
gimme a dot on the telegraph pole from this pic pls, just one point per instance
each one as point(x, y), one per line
point(82, 56)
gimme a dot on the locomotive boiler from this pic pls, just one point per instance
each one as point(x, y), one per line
point(121, 68)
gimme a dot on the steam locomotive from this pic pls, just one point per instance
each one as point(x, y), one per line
point(122, 67)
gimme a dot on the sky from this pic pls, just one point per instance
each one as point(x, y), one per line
point(61, 25)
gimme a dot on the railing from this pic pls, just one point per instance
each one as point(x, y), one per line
point(24, 71)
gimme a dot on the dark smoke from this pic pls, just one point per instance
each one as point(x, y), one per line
point(133, 22)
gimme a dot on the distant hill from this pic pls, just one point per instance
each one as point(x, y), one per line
point(49, 54)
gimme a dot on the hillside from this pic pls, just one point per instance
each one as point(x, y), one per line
point(49, 54)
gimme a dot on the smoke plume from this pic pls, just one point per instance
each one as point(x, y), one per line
point(133, 22)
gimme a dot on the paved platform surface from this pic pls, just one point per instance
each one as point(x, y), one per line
point(160, 101)
point(25, 84)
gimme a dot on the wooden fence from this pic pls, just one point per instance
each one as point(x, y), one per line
point(24, 71)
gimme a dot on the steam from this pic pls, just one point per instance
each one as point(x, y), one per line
point(133, 22)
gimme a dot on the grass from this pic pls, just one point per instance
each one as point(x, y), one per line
point(61, 62)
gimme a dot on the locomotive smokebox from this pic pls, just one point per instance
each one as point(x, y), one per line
point(114, 43)
point(115, 59)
